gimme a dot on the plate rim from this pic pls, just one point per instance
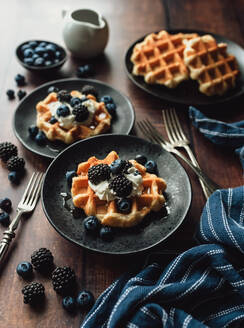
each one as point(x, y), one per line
point(189, 193)
point(131, 106)
point(176, 101)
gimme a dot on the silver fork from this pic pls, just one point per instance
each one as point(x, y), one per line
point(178, 139)
point(152, 134)
point(26, 205)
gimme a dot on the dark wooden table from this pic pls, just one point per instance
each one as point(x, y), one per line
point(128, 20)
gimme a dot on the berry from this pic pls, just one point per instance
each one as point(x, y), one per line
point(25, 46)
point(46, 56)
point(69, 175)
point(51, 49)
point(4, 219)
point(48, 63)
point(63, 95)
point(58, 55)
point(33, 44)
point(40, 50)
point(124, 205)
point(6, 204)
point(84, 71)
point(10, 94)
point(24, 269)
point(39, 61)
point(89, 90)
point(42, 259)
point(29, 61)
point(81, 113)
point(52, 88)
point(15, 163)
point(120, 166)
point(14, 177)
point(107, 100)
point(121, 186)
point(98, 173)
point(69, 304)
point(20, 80)
point(91, 224)
point(33, 130)
point(21, 94)
point(28, 53)
point(63, 111)
point(106, 233)
point(63, 279)
point(75, 101)
point(53, 120)
point(141, 159)
point(111, 108)
point(42, 44)
point(33, 293)
point(41, 139)
point(151, 166)
point(7, 150)
point(85, 300)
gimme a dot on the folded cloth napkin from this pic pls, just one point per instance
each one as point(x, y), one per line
point(202, 287)
point(225, 134)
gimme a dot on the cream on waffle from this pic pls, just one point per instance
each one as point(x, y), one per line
point(97, 123)
point(149, 199)
point(159, 58)
point(210, 65)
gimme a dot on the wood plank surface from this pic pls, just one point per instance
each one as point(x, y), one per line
point(128, 21)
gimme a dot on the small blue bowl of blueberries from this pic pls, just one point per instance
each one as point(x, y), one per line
point(41, 56)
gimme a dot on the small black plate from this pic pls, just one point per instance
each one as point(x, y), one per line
point(187, 92)
point(126, 241)
point(25, 114)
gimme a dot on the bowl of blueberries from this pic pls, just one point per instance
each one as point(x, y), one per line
point(41, 56)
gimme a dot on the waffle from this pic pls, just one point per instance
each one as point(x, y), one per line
point(101, 121)
point(84, 197)
point(159, 58)
point(210, 65)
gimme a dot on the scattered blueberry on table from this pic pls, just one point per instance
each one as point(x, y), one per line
point(84, 70)
point(21, 94)
point(4, 219)
point(20, 80)
point(11, 94)
point(6, 204)
point(85, 300)
point(24, 269)
point(69, 303)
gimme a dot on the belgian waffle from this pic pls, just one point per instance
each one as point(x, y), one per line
point(210, 65)
point(101, 121)
point(84, 197)
point(159, 58)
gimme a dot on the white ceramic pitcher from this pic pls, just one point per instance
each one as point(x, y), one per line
point(85, 32)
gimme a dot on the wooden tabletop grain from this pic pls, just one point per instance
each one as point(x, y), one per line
point(128, 21)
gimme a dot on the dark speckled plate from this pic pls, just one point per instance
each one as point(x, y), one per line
point(126, 241)
point(25, 114)
point(187, 92)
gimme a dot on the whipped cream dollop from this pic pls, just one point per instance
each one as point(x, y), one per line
point(67, 122)
point(103, 192)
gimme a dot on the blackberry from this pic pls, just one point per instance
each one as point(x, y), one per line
point(63, 95)
point(81, 112)
point(7, 150)
point(15, 163)
point(89, 90)
point(120, 166)
point(33, 293)
point(121, 186)
point(98, 173)
point(127, 166)
point(42, 259)
point(63, 280)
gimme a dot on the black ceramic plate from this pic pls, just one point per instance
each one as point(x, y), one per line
point(25, 114)
point(126, 241)
point(187, 92)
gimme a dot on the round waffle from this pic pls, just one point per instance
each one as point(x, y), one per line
point(100, 123)
point(159, 58)
point(210, 65)
point(84, 197)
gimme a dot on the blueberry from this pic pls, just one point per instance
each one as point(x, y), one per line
point(35, 56)
point(88, 69)
point(68, 303)
point(29, 61)
point(6, 204)
point(116, 166)
point(20, 80)
point(56, 61)
point(91, 224)
point(141, 159)
point(46, 56)
point(21, 94)
point(107, 100)
point(39, 61)
point(85, 300)
point(24, 269)
point(14, 177)
point(28, 52)
point(151, 166)
point(24, 47)
point(124, 205)
point(80, 71)
point(53, 120)
point(10, 94)
point(51, 48)
point(41, 139)
point(85, 70)
point(106, 233)
point(48, 63)
point(58, 55)
point(4, 219)
point(33, 44)
point(75, 101)
point(33, 130)
point(63, 110)
point(111, 108)
point(40, 50)
point(69, 175)
point(42, 44)
point(52, 88)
